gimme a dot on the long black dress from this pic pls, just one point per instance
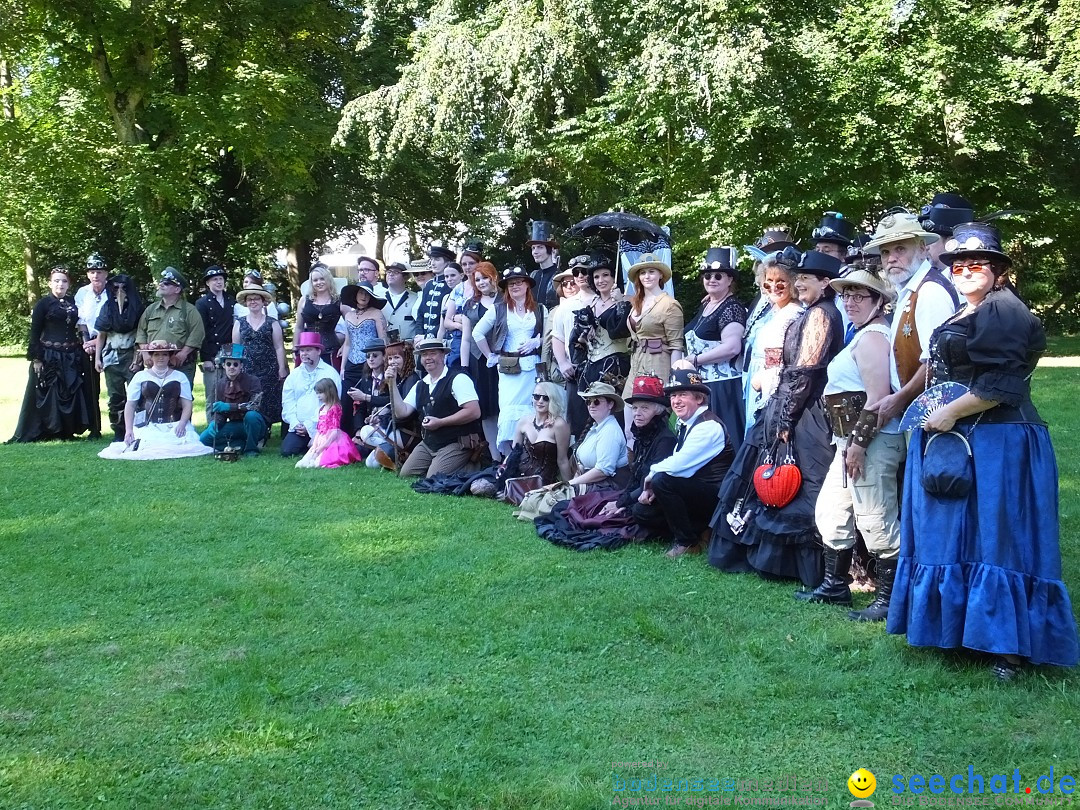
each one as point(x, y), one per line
point(58, 401)
point(263, 363)
point(784, 543)
point(724, 380)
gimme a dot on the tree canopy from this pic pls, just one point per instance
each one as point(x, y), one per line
point(178, 134)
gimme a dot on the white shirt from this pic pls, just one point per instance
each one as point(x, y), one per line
point(299, 402)
point(562, 317)
point(603, 448)
point(933, 308)
point(462, 388)
point(701, 445)
point(89, 305)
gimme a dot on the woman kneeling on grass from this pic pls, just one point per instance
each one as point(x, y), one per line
point(157, 416)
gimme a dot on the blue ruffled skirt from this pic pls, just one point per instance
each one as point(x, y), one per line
point(984, 572)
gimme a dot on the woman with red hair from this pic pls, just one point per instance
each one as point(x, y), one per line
point(485, 280)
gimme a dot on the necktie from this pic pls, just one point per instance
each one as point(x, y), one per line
point(849, 333)
point(680, 436)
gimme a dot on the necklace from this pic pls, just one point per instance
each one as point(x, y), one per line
point(542, 425)
point(155, 373)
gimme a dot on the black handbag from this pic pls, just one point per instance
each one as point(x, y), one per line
point(948, 468)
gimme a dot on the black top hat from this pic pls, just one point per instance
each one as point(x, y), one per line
point(171, 274)
point(834, 228)
point(774, 239)
point(947, 199)
point(439, 251)
point(393, 337)
point(685, 379)
point(819, 264)
point(602, 258)
point(95, 261)
point(974, 239)
point(350, 291)
point(789, 258)
point(516, 273)
point(543, 233)
point(212, 271)
point(942, 220)
point(722, 259)
point(474, 249)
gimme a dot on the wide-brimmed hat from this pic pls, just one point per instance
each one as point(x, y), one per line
point(774, 239)
point(160, 346)
point(685, 379)
point(834, 228)
point(350, 291)
point(898, 227)
point(248, 292)
point(650, 261)
point(603, 389)
point(474, 249)
point(720, 258)
point(212, 271)
point(866, 279)
point(430, 343)
point(417, 266)
point(376, 344)
point(648, 388)
point(515, 273)
point(816, 263)
point(308, 340)
point(230, 351)
point(562, 275)
point(542, 232)
point(974, 239)
point(171, 274)
point(437, 250)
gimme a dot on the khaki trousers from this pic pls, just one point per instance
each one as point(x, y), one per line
point(423, 462)
point(871, 503)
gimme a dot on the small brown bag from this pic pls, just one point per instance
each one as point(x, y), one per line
point(518, 488)
point(509, 365)
point(654, 345)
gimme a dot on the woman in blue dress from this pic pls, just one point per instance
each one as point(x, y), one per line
point(983, 571)
point(364, 324)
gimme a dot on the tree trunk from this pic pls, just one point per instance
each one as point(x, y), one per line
point(380, 237)
point(5, 87)
point(33, 288)
point(299, 264)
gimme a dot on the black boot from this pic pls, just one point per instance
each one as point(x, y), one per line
point(833, 590)
point(878, 610)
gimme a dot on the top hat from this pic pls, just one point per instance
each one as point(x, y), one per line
point(603, 389)
point(516, 273)
point(648, 388)
point(437, 250)
point(816, 263)
point(946, 199)
point(685, 379)
point(308, 340)
point(474, 249)
point(834, 228)
point(212, 271)
point(257, 292)
point(95, 261)
point(160, 346)
point(649, 262)
point(350, 291)
point(898, 227)
point(941, 220)
point(430, 343)
point(774, 239)
point(393, 337)
point(722, 259)
point(230, 351)
point(173, 276)
point(542, 233)
point(974, 239)
point(866, 279)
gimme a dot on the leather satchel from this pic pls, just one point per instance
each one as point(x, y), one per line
point(518, 488)
point(509, 365)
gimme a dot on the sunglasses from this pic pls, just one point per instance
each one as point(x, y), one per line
point(231, 363)
point(774, 285)
point(713, 276)
point(971, 266)
point(541, 398)
point(568, 281)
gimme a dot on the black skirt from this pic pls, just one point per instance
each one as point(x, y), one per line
point(58, 402)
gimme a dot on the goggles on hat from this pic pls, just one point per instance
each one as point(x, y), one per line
point(96, 264)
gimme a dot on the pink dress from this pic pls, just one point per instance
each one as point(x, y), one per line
point(330, 447)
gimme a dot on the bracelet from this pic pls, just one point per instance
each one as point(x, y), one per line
point(865, 429)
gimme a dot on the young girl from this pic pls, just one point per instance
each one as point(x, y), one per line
point(331, 446)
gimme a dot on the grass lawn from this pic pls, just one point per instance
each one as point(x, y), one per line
point(195, 634)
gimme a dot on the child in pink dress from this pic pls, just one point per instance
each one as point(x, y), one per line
point(330, 447)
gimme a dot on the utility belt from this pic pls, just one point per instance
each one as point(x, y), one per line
point(534, 353)
point(52, 344)
point(650, 346)
point(843, 410)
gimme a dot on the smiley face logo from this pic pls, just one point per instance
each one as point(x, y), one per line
point(862, 784)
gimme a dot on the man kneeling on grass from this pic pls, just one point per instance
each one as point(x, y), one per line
point(679, 495)
point(449, 409)
point(234, 410)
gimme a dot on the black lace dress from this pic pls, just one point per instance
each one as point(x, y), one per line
point(323, 318)
point(784, 543)
point(58, 402)
point(263, 363)
point(724, 379)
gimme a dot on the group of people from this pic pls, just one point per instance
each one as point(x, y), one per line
point(770, 437)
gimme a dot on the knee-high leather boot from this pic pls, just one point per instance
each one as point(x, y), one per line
point(833, 590)
point(878, 610)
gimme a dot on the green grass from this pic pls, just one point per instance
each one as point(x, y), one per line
point(196, 634)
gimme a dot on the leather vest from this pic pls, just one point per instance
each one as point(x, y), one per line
point(716, 468)
point(907, 346)
point(440, 402)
